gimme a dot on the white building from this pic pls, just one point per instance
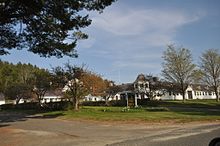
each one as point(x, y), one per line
point(141, 89)
point(192, 92)
point(93, 98)
point(2, 99)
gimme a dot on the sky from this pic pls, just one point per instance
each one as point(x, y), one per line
point(130, 36)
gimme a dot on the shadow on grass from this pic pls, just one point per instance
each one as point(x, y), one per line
point(45, 116)
point(195, 111)
point(187, 104)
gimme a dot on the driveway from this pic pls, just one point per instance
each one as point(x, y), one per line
point(36, 130)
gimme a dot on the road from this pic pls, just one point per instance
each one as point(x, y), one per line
point(186, 136)
point(37, 130)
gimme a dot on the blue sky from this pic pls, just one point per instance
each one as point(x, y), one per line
point(129, 37)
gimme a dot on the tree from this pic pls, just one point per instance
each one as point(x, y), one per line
point(94, 82)
point(41, 83)
point(210, 67)
point(45, 27)
point(178, 67)
point(17, 91)
point(111, 90)
point(70, 78)
point(156, 87)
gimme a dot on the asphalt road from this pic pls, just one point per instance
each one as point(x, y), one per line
point(36, 130)
point(194, 136)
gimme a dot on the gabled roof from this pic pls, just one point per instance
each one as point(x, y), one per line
point(140, 77)
point(57, 92)
point(200, 87)
point(126, 87)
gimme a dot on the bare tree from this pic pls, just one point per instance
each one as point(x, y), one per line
point(178, 67)
point(70, 79)
point(210, 66)
point(41, 84)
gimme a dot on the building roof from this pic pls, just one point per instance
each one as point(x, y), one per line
point(126, 87)
point(200, 87)
point(140, 77)
point(57, 92)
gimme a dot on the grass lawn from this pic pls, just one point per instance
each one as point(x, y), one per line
point(154, 111)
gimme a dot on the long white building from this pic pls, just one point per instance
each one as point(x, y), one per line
point(141, 90)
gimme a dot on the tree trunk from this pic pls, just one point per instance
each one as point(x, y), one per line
point(17, 100)
point(106, 101)
point(183, 92)
point(216, 93)
point(76, 104)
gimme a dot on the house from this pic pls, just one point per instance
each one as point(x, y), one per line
point(93, 98)
point(52, 96)
point(141, 88)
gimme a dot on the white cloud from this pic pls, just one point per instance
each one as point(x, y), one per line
point(88, 43)
point(137, 22)
point(135, 38)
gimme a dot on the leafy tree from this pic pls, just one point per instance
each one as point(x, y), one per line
point(210, 67)
point(17, 80)
point(17, 91)
point(41, 83)
point(25, 72)
point(7, 75)
point(94, 83)
point(111, 90)
point(178, 67)
point(45, 27)
point(156, 87)
point(70, 78)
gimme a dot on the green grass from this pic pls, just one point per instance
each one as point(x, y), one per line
point(155, 111)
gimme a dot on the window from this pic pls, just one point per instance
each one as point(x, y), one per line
point(169, 93)
point(147, 85)
point(141, 85)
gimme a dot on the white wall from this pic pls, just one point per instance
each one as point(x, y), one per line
point(47, 99)
point(2, 102)
point(93, 98)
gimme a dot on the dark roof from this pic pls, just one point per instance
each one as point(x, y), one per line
point(57, 92)
point(140, 77)
point(126, 87)
point(200, 87)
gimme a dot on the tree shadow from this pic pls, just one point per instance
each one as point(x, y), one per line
point(196, 111)
point(4, 125)
point(9, 116)
point(47, 116)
